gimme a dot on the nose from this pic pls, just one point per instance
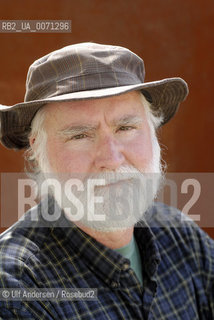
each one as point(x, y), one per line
point(109, 154)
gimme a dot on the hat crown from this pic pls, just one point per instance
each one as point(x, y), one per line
point(81, 67)
point(86, 71)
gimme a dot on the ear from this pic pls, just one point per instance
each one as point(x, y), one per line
point(32, 141)
point(32, 151)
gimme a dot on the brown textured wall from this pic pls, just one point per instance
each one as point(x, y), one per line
point(175, 38)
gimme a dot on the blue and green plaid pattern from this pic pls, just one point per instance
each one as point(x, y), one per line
point(178, 271)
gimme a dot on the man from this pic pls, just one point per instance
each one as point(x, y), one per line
point(89, 124)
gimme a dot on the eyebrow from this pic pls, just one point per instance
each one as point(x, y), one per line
point(78, 129)
point(127, 119)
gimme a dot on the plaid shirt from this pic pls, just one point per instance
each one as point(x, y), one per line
point(178, 270)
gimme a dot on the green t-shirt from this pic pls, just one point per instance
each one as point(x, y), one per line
point(131, 252)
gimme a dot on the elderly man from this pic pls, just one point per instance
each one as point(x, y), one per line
point(88, 124)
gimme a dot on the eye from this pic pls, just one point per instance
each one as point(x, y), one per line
point(79, 136)
point(126, 128)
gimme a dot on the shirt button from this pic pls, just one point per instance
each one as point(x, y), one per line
point(125, 267)
point(115, 284)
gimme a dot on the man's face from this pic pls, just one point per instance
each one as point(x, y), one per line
point(98, 135)
point(108, 139)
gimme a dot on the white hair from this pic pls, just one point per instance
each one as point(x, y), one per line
point(153, 120)
point(154, 123)
point(36, 155)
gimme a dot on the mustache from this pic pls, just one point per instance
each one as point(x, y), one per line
point(122, 174)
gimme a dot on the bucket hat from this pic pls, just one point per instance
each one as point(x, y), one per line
point(86, 71)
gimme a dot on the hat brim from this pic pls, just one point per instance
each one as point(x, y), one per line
point(164, 95)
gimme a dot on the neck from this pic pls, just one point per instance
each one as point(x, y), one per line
point(113, 239)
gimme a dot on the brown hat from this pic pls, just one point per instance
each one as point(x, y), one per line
point(85, 71)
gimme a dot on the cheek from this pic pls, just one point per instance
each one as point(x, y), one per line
point(62, 159)
point(139, 151)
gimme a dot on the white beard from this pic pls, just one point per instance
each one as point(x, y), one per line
point(107, 201)
point(116, 201)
